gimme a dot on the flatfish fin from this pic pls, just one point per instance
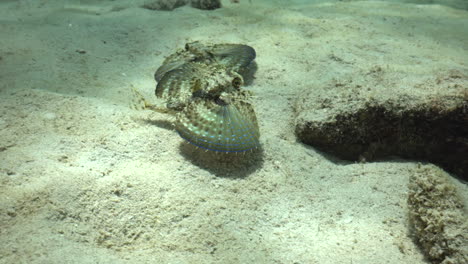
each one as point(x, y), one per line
point(167, 67)
point(177, 85)
point(219, 127)
point(233, 56)
point(192, 52)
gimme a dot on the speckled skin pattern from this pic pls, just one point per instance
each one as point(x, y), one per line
point(202, 83)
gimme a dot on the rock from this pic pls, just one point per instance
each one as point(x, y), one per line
point(377, 113)
point(438, 216)
point(206, 4)
point(166, 5)
point(169, 5)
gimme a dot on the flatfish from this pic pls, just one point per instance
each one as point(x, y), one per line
point(202, 85)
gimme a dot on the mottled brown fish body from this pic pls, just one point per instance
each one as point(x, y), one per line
point(203, 84)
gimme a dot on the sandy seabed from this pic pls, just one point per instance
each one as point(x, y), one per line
point(86, 178)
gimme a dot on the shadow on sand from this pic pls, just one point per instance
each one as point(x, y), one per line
point(228, 165)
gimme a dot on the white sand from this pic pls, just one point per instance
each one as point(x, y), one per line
point(84, 178)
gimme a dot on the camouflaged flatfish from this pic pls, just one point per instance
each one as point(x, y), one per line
point(202, 83)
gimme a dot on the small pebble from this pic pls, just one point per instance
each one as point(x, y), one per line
point(50, 115)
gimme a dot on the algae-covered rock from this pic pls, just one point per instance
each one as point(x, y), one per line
point(376, 113)
point(166, 5)
point(438, 216)
point(206, 4)
point(169, 5)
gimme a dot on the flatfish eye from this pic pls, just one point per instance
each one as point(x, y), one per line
point(237, 82)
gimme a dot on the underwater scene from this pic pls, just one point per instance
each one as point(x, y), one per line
point(234, 131)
